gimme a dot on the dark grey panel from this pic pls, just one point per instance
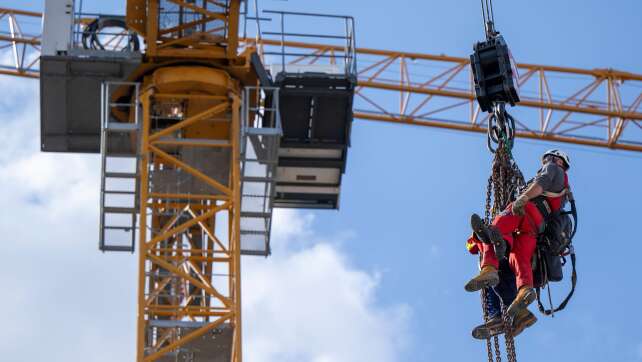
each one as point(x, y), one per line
point(70, 99)
point(305, 201)
point(333, 115)
point(215, 346)
point(295, 116)
point(316, 112)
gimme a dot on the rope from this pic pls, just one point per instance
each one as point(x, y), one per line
point(488, 14)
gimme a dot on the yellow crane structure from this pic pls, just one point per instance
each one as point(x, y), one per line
point(193, 115)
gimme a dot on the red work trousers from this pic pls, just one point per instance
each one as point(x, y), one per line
point(520, 232)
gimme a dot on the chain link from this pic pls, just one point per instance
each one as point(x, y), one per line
point(504, 185)
point(498, 352)
point(511, 355)
point(484, 301)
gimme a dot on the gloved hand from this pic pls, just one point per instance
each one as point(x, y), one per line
point(519, 204)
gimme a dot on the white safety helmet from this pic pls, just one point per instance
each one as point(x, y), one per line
point(560, 154)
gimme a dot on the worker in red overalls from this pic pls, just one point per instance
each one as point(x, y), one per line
point(518, 227)
point(504, 290)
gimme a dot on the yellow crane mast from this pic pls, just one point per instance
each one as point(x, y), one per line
point(193, 74)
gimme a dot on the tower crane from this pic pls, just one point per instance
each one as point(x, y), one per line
point(204, 129)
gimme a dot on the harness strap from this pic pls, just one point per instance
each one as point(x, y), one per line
point(543, 207)
point(568, 297)
point(555, 194)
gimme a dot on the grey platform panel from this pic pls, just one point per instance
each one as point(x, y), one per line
point(316, 114)
point(215, 346)
point(70, 99)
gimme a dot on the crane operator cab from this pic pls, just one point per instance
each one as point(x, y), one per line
point(315, 103)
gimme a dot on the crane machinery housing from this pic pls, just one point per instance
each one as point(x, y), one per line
point(203, 129)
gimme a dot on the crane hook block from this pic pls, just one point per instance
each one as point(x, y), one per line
point(495, 73)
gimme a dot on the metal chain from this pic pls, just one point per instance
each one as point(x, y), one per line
point(504, 184)
point(498, 352)
point(487, 216)
point(489, 192)
point(511, 355)
point(484, 302)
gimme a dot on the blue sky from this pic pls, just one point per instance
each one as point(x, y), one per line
point(398, 240)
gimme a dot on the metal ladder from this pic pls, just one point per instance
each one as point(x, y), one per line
point(119, 172)
point(260, 139)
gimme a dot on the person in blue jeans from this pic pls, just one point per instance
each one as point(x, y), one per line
point(504, 292)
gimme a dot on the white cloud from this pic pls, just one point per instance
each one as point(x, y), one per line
point(312, 305)
point(65, 301)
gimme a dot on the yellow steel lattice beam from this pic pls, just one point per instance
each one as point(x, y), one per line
point(601, 108)
point(593, 107)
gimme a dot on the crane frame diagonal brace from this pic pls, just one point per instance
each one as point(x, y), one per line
point(203, 38)
point(599, 114)
point(618, 118)
point(180, 248)
point(18, 37)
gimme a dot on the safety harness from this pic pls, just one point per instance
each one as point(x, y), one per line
point(551, 258)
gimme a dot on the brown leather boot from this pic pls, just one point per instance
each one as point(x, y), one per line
point(488, 277)
point(525, 296)
point(523, 320)
point(493, 327)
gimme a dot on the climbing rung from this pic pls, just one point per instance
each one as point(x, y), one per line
point(126, 228)
point(121, 155)
point(121, 127)
point(263, 215)
point(194, 141)
point(253, 196)
point(263, 162)
point(119, 192)
point(120, 210)
point(263, 131)
point(253, 232)
point(257, 179)
point(174, 324)
point(117, 248)
point(121, 174)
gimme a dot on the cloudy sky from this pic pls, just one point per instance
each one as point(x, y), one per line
point(381, 279)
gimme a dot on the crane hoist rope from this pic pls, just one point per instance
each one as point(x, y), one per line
point(496, 79)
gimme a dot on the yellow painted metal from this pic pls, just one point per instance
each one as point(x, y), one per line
point(547, 112)
point(178, 234)
point(525, 103)
point(183, 243)
point(136, 17)
point(205, 94)
point(235, 247)
point(599, 73)
point(212, 36)
point(482, 129)
point(145, 161)
point(618, 118)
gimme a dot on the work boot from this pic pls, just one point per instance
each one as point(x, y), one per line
point(493, 327)
point(523, 320)
point(488, 277)
point(525, 296)
point(489, 235)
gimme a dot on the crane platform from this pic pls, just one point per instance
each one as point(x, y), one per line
point(316, 97)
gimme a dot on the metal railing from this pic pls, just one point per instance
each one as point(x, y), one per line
point(260, 138)
point(102, 33)
point(340, 35)
point(181, 20)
